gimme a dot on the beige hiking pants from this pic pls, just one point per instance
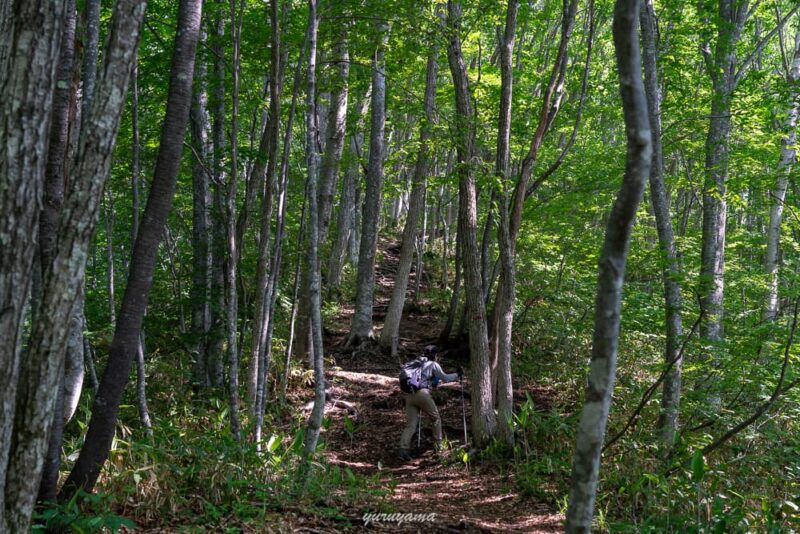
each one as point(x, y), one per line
point(420, 401)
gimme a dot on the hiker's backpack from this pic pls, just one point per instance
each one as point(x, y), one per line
point(411, 375)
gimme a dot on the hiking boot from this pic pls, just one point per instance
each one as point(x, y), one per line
point(404, 455)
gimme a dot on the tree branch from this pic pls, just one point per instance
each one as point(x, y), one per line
point(760, 46)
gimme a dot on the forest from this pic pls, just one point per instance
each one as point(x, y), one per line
point(399, 266)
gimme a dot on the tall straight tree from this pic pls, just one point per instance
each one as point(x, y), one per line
point(312, 159)
point(232, 251)
point(334, 135)
point(124, 345)
point(504, 304)
point(483, 417)
point(345, 219)
point(361, 327)
point(670, 271)
point(611, 271)
point(394, 313)
point(275, 89)
point(201, 257)
point(55, 180)
point(778, 193)
point(28, 74)
point(216, 338)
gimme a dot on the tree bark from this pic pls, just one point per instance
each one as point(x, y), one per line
point(394, 313)
point(30, 43)
point(611, 271)
point(361, 327)
point(335, 133)
point(55, 180)
point(275, 88)
point(778, 193)
point(318, 411)
point(217, 328)
point(127, 333)
point(264, 171)
point(232, 251)
point(670, 271)
point(483, 417)
point(504, 303)
point(345, 220)
point(201, 257)
point(711, 288)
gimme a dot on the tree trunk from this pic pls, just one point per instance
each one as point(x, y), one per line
point(504, 303)
point(110, 274)
point(264, 171)
point(361, 327)
point(611, 271)
point(90, 53)
point(483, 417)
point(671, 397)
point(201, 258)
point(217, 328)
point(345, 220)
point(127, 333)
point(715, 205)
point(778, 194)
point(55, 180)
point(275, 87)
point(335, 132)
point(317, 413)
point(232, 252)
point(394, 313)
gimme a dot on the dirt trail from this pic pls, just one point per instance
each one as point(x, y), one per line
point(478, 499)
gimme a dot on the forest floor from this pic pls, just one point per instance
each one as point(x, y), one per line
point(474, 498)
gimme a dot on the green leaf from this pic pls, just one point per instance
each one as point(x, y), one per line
point(698, 466)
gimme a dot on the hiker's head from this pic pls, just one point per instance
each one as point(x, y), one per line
point(430, 352)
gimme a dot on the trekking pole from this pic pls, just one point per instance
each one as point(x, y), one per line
point(463, 411)
point(419, 431)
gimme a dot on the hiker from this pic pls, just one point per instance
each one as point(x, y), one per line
point(419, 399)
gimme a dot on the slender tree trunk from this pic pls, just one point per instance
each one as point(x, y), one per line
point(55, 180)
point(90, 53)
point(778, 194)
point(232, 256)
point(671, 397)
point(317, 413)
point(217, 328)
point(141, 377)
point(275, 88)
point(715, 204)
point(110, 274)
point(504, 303)
point(452, 309)
point(483, 417)
point(335, 134)
point(361, 327)
point(201, 258)
point(345, 221)
point(264, 171)
point(127, 334)
point(611, 271)
point(394, 313)
point(420, 243)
